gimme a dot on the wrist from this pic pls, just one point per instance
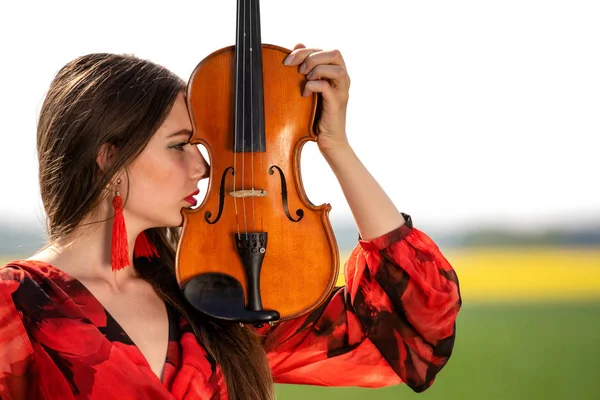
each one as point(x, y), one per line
point(338, 152)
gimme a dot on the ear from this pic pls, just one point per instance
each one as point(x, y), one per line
point(105, 156)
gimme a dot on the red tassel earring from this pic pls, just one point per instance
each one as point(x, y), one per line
point(144, 248)
point(120, 248)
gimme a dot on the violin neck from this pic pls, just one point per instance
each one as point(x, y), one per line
point(249, 96)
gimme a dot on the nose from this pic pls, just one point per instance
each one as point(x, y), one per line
point(200, 167)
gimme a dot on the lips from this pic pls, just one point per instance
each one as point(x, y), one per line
point(191, 199)
point(194, 193)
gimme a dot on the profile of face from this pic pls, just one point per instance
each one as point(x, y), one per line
point(165, 173)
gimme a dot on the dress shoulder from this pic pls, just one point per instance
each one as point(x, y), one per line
point(11, 276)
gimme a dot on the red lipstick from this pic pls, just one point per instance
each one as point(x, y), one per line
point(191, 198)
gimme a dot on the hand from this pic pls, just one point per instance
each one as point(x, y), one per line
point(326, 74)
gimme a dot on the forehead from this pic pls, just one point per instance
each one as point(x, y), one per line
point(178, 118)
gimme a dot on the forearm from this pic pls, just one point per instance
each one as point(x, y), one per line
point(373, 211)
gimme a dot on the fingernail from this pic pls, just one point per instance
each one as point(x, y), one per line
point(302, 68)
point(288, 60)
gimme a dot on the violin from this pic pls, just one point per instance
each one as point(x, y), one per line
point(256, 250)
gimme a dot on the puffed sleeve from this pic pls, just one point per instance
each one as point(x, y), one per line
point(16, 353)
point(392, 322)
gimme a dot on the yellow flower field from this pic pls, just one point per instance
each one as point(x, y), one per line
point(525, 274)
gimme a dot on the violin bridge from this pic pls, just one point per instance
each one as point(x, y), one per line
point(249, 193)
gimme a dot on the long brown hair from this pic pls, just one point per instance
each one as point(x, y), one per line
point(122, 100)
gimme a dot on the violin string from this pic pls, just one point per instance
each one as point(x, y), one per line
point(236, 127)
point(244, 117)
point(251, 113)
point(261, 118)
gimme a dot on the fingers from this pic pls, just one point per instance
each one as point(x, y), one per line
point(327, 90)
point(307, 59)
point(298, 55)
point(325, 72)
point(320, 86)
point(299, 46)
point(336, 74)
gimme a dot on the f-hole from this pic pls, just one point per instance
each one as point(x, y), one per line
point(284, 195)
point(208, 214)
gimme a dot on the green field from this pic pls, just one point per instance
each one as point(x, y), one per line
point(522, 351)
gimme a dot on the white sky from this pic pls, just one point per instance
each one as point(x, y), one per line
point(465, 111)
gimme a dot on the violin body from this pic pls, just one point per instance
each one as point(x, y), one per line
point(256, 249)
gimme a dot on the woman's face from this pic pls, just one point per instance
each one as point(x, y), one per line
point(165, 173)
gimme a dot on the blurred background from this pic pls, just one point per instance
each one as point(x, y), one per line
point(478, 118)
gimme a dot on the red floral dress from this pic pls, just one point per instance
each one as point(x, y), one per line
point(393, 322)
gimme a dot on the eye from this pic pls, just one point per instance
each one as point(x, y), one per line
point(179, 146)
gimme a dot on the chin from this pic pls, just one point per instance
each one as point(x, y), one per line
point(178, 221)
point(174, 222)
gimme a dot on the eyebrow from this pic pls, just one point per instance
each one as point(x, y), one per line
point(180, 132)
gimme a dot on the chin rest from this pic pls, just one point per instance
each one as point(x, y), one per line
point(221, 296)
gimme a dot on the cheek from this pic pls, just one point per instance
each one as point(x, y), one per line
point(156, 179)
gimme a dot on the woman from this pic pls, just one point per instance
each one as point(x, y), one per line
point(112, 156)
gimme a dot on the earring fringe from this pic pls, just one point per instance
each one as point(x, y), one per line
point(144, 248)
point(119, 251)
